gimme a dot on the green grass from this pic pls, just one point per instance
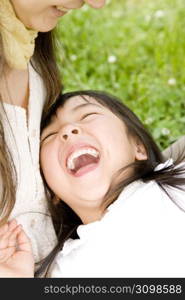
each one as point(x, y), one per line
point(147, 38)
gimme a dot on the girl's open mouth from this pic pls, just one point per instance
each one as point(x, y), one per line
point(82, 161)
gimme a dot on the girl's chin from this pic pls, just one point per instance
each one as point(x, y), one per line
point(93, 194)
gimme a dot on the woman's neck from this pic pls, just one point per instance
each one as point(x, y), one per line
point(1, 55)
point(14, 86)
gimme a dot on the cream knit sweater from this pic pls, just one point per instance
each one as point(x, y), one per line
point(23, 139)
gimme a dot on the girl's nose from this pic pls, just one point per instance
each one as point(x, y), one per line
point(68, 131)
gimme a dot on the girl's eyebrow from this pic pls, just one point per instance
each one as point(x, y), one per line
point(74, 109)
point(83, 105)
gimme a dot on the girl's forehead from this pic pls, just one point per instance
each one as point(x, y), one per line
point(70, 106)
point(75, 101)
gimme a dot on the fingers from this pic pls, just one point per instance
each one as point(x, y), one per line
point(12, 224)
point(8, 241)
point(23, 242)
point(6, 230)
point(13, 237)
point(12, 240)
point(3, 229)
point(9, 225)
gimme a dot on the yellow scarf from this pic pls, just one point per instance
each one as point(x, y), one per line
point(18, 41)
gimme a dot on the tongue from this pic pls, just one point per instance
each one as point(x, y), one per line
point(84, 160)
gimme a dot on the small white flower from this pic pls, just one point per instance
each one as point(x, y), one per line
point(85, 8)
point(112, 59)
point(149, 120)
point(172, 81)
point(117, 14)
point(165, 131)
point(159, 14)
point(148, 18)
point(73, 57)
point(116, 85)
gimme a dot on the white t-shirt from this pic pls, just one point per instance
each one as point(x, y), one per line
point(23, 140)
point(142, 234)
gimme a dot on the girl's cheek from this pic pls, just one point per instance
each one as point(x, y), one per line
point(46, 152)
point(50, 152)
point(42, 159)
point(45, 156)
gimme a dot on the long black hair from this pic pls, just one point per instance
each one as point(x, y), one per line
point(65, 220)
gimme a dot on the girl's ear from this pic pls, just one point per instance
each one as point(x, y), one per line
point(140, 151)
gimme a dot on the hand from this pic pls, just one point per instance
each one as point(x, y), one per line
point(16, 258)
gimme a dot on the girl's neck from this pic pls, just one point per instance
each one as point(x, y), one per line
point(90, 215)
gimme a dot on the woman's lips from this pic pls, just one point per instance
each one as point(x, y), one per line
point(95, 3)
point(58, 13)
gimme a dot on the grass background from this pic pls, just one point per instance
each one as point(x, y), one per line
point(134, 49)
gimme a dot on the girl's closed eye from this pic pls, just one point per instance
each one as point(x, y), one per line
point(87, 115)
point(48, 135)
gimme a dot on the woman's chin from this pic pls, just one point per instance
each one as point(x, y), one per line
point(44, 26)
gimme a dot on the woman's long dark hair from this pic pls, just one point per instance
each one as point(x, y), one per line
point(65, 220)
point(44, 62)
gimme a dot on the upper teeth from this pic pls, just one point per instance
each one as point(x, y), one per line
point(70, 161)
